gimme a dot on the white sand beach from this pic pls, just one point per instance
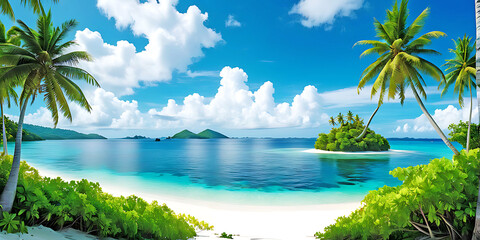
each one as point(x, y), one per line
point(391, 151)
point(243, 221)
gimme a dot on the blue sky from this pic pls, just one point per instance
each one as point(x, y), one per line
point(184, 52)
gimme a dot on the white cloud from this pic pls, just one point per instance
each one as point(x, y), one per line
point(232, 22)
point(202, 74)
point(348, 97)
point(323, 12)
point(234, 106)
point(175, 40)
point(443, 117)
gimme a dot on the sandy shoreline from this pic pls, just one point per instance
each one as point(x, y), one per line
point(391, 151)
point(244, 221)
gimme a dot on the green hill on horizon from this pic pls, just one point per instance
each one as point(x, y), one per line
point(59, 134)
point(205, 134)
point(11, 132)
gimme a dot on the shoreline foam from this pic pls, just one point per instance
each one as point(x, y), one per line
point(391, 151)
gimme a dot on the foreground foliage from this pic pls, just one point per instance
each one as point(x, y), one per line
point(458, 133)
point(82, 205)
point(435, 200)
point(344, 137)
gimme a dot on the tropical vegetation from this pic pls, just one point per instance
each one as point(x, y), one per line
point(458, 133)
point(344, 139)
point(11, 132)
point(435, 201)
point(461, 73)
point(42, 66)
point(400, 63)
point(83, 205)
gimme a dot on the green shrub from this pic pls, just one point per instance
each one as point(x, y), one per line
point(458, 133)
point(83, 205)
point(440, 197)
point(343, 139)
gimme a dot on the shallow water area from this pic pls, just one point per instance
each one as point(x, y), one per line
point(278, 172)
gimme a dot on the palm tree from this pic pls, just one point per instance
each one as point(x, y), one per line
point(36, 5)
point(461, 73)
point(476, 230)
point(332, 121)
point(350, 116)
point(357, 119)
point(400, 64)
point(45, 69)
point(7, 90)
point(340, 119)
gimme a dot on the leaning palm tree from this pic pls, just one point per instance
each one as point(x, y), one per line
point(45, 68)
point(400, 64)
point(332, 121)
point(7, 9)
point(461, 73)
point(7, 91)
point(476, 230)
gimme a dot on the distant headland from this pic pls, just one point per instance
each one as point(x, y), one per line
point(205, 134)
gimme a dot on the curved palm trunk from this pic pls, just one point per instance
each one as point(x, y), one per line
point(5, 149)
point(469, 119)
point(368, 124)
point(434, 124)
point(8, 194)
point(476, 230)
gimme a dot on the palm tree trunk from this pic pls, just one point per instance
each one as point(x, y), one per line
point(469, 119)
point(434, 124)
point(8, 194)
point(368, 124)
point(5, 149)
point(476, 230)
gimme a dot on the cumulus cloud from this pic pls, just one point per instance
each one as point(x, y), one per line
point(232, 22)
point(443, 117)
point(323, 12)
point(175, 40)
point(234, 106)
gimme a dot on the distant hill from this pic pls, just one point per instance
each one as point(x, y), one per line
point(185, 134)
point(136, 137)
point(59, 134)
point(206, 134)
point(11, 132)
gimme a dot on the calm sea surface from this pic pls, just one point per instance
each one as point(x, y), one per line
point(244, 171)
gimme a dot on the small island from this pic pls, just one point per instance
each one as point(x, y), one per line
point(205, 134)
point(345, 138)
point(136, 137)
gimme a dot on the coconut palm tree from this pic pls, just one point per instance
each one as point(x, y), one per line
point(400, 64)
point(332, 121)
point(350, 116)
point(476, 230)
point(6, 8)
point(45, 68)
point(340, 119)
point(7, 91)
point(461, 72)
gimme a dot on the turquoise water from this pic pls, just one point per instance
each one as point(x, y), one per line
point(242, 171)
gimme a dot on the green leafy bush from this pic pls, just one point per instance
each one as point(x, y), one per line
point(343, 139)
point(225, 235)
point(83, 205)
point(435, 200)
point(458, 133)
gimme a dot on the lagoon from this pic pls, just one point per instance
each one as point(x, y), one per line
point(242, 171)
